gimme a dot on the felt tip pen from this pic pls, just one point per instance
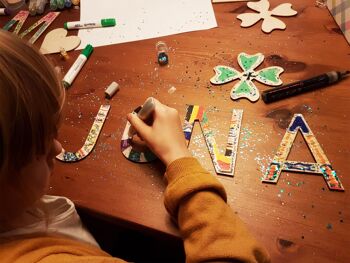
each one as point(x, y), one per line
point(3, 12)
point(144, 113)
point(302, 86)
point(81, 25)
point(76, 67)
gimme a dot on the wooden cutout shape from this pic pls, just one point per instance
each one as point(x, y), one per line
point(223, 163)
point(21, 18)
point(270, 23)
point(322, 165)
point(57, 39)
point(91, 139)
point(245, 88)
point(46, 20)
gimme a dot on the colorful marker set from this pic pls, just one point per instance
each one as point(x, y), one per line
point(61, 4)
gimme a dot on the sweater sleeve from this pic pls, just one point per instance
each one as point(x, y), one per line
point(209, 228)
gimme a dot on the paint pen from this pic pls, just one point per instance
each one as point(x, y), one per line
point(3, 12)
point(144, 113)
point(302, 86)
point(106, 22)
point(76, 67)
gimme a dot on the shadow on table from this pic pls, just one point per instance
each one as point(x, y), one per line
point(130, 244)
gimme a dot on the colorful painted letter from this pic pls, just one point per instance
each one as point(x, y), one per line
point(322, 165)
point(20, 17)
point(90, 141)
point(223, 163)
point(46, 20)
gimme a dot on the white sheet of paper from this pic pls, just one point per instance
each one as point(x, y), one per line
point(141, 19)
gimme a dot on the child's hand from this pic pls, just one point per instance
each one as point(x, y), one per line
point(165, 136)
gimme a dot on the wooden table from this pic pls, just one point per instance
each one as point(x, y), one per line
point(299, 219)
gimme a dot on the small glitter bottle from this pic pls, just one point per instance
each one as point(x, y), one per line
point(162, 50)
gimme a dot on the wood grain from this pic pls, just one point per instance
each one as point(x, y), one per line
point(299, 219)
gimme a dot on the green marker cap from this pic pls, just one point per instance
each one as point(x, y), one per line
point(65, 25)
point(87, 50)
point(108, 22)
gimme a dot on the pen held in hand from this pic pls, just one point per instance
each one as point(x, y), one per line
point(144, 113)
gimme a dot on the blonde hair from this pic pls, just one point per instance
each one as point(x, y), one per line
point(31, 99)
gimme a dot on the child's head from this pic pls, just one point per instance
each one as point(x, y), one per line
point(31, 99)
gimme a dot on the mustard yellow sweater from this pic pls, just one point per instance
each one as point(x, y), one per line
point(196, 199)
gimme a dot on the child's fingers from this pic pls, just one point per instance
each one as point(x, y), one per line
point(142, 129)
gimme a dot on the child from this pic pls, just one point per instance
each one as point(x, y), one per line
point(35, 227)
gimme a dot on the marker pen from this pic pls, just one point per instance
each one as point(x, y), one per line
point(302, 86)
point(3, 12)
point(80, 25)
point(144, 113)
point(76, 67)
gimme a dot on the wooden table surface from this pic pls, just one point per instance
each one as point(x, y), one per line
point(298, 219)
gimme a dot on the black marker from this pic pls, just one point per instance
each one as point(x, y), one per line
point(302, 86)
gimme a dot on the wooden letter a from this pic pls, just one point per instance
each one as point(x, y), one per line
point(322, 165)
